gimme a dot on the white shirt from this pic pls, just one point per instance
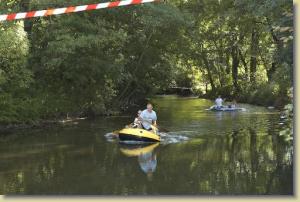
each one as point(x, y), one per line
point(149, 118)
point(219, 102)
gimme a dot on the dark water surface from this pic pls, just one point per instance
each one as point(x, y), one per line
point(207, 152)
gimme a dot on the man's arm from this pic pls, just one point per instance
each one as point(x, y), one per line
point(155, 119)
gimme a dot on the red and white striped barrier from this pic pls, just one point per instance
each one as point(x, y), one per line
point(71, 9)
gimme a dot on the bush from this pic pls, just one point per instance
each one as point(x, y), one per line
point(265, 94)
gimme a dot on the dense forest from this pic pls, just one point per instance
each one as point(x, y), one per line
point(96, 62)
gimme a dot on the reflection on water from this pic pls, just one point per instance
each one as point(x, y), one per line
point(146, 157)
point(227, 153)
point(148, 163)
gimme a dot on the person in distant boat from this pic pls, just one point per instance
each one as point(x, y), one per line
point(148, 117)
point(137, 121)
point(233, 104)
point(219, 102)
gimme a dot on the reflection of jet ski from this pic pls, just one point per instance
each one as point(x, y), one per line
point(137, 150)
point(146, 157)
point(148, 163)
point(137, 134)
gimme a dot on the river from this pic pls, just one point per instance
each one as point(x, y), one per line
point(205, 153)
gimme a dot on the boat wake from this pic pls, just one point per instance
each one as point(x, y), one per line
point(167, 138)
point(111, 137)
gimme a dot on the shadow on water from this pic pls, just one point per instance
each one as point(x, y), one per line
point(213, 154)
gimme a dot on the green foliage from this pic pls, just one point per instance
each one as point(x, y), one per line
point(265, 94)
point(243, 48)
point(74, 63)
point(88, 63)
point(13, 53)
point(15, 78)
point(287, 132)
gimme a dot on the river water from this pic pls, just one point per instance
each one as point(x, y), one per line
point(205, 153)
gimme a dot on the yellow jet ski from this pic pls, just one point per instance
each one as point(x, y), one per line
point(138, 134)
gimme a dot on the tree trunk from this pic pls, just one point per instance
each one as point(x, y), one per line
point(25, 6)
point(211, 81)
point(235, 65)
point(271, 71)
point(227, 61)
point(242, 58)
point(253, 60)
point(279, 45)
point(130, 82)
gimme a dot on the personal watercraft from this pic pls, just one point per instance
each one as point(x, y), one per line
point(225, 109)
point(138, 134)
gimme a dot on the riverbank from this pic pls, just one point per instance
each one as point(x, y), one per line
point(12, 127)
point(253, 99)
point(277, 104)
point(6, 128)
point(265, 95)
point(8, 124)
